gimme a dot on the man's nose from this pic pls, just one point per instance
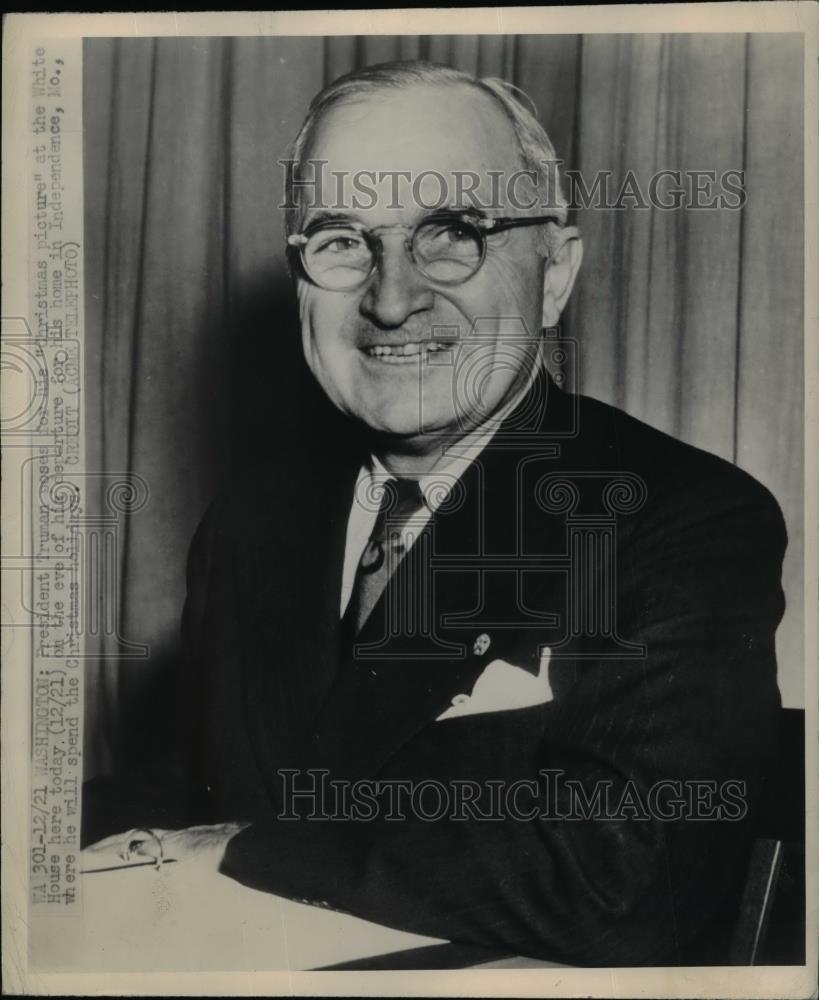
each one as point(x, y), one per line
point(397, 289)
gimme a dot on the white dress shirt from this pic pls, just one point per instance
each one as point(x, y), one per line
point(435, 487)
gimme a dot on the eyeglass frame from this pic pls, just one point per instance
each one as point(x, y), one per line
point(485, 225)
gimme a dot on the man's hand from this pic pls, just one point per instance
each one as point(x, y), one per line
point(201, 844)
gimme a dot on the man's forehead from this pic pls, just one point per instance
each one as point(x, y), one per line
point(422, 127)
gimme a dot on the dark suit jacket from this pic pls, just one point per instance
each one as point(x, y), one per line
point(659, 598)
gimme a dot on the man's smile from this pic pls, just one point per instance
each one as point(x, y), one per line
point(404, 353)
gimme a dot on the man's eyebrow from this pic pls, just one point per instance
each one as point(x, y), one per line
point(323, 215)
point(449, 208)
point(458, 208)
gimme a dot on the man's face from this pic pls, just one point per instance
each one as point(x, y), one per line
point(417, 397)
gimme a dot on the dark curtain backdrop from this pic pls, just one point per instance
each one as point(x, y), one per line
point(690, 320)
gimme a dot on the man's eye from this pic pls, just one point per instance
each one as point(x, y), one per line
point(339, 244)
point(459, 233)
point(449, 234)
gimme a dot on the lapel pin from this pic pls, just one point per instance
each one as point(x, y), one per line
point(482, 643)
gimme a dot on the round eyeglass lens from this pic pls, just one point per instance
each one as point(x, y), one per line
point(448, 250)
point(337, 257)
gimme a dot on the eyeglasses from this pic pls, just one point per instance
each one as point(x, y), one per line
point(446, 247)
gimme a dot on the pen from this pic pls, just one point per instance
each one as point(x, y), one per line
point(117, 868)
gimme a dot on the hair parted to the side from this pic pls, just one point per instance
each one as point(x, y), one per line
point(536, 150)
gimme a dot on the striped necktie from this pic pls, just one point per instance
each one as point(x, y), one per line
point(402, 499)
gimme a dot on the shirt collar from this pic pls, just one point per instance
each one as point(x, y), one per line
point(436, 485)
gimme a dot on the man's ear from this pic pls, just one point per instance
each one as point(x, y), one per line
point(559, 275)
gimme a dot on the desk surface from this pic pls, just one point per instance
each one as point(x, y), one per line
point(184, 918)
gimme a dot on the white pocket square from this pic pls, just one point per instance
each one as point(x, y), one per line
point(503, 686)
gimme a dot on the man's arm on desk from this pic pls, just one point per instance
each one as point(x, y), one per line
point(705, 600)
point(701, 706)
point(205, 844)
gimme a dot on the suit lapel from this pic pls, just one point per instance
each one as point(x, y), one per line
point(419, 648)
point(404, 668)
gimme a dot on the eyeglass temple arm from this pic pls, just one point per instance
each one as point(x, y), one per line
point(524, 220)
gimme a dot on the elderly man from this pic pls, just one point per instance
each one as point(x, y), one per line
point(489, 662)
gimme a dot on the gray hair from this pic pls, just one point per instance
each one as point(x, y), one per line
point(536, 150)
